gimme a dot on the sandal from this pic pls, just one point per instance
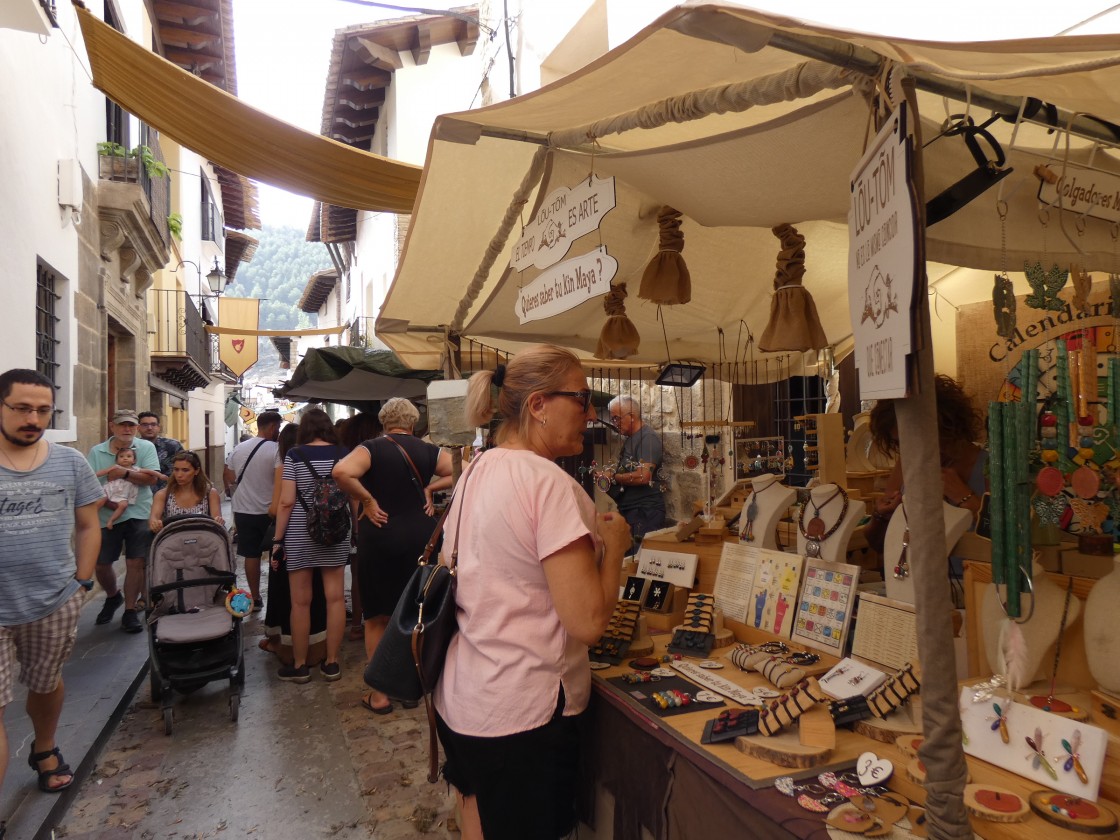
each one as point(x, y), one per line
point(377, 710)
point(63, 769)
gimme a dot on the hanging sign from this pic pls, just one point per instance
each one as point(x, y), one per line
point(883, 260)
point(566, 285)
point(1082, 191)
point(238, 350)
point(564, 216)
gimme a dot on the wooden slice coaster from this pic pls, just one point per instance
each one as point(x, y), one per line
point(642, 647)
point(889, 808)
point(908, 745)
point(847, 817)
point(724, 638)
point(917, 818)
point(1073, 813)
point(784, 749)
point(888, 730)
point(995, 804)
point(916, 772)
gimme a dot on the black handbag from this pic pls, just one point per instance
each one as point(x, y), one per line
point(409, 658)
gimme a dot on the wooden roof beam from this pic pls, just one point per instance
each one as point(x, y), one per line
point(361, 101)
point(377, 55)
point(193, 60)
point(187, 14)
point(468, 38)
point(423, 47)
point(356, 122)
point(366, 78)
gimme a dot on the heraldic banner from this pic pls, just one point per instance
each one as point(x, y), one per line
point(238, 352)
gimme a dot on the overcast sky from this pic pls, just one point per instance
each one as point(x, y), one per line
point(283, 47)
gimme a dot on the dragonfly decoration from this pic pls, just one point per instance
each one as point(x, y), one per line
point(1038, 759)
point(1073, 757)
point(1000, 722)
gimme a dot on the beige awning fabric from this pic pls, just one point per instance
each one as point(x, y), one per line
point(219, 126)
point(733, 173)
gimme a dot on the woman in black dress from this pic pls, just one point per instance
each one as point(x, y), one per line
point(391, 478)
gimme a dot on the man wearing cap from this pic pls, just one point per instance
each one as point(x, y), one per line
point(131, 531)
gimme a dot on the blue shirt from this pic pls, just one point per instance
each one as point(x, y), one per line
point(101, 457)
point(36, 527)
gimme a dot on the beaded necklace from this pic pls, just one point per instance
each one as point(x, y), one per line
point(815, 532)
point(902, 568)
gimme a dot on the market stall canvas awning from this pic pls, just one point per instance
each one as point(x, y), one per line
point(219, 126)
point(354, 376)
point(783, 135)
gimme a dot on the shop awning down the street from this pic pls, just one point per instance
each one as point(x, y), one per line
point(744, 121)
point(213, 123)
point(354, 376)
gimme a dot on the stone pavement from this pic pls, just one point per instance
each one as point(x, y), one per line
point(303, 761)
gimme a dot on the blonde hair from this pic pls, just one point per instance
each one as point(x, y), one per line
point(398, 413)
point(543, 367)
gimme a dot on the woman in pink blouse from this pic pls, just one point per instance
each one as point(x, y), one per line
point(538, 579)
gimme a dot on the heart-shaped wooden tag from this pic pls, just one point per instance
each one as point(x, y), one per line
point(873, 770)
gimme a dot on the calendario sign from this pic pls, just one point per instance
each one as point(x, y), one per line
point(883, 260)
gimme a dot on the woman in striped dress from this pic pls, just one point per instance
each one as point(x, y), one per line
point(316, 445)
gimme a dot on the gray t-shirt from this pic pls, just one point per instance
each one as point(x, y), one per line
point(36, 526)
point(642, 447)
point(254, 490)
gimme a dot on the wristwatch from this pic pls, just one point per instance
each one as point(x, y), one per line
point(85, 583)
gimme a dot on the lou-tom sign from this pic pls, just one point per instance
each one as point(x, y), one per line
point(564, 216)
point(883, 260)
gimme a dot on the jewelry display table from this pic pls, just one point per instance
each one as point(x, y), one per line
point(664, 780)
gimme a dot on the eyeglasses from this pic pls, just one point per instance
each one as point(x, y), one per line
point(27, 410)
point(583, 396)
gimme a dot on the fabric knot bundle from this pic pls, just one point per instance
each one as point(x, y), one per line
point(619, 338)
point(666, 279)
point(793, 324)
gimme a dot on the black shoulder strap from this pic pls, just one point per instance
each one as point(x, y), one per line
point(241, 474)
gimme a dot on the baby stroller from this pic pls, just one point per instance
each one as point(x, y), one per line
point(192, 638)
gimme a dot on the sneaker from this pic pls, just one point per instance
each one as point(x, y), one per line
point(109, 608)
point(331, 671)
point(130, 622)
point(290, 673)
point(258, 604)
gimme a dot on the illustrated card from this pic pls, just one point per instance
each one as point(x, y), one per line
point(774, 592)
point(824, 608)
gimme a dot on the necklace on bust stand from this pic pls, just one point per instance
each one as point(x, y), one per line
point(752, 510)
point(815, 533)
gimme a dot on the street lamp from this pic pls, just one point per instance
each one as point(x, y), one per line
point(214, 278)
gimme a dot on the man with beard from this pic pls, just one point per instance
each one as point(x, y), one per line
point(131, 531)
point(165, 447)
point(48, 495)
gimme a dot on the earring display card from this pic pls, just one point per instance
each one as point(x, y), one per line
point(658, 597)
point(774, 591)
point(1062, 754)
point(824, 609)
point(669, 566)
point(849, 678)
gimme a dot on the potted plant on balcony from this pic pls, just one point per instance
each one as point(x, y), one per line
point(116, 163)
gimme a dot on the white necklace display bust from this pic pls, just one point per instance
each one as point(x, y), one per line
point(900, 583)
point(769, 499)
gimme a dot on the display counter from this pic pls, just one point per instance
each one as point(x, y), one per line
point(664, 780)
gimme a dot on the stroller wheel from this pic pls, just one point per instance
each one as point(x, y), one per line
point(167, 721)
point(234, 706)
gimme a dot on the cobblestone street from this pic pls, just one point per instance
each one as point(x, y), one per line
point(303, 761)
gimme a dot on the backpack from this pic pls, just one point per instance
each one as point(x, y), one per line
point(328, 515)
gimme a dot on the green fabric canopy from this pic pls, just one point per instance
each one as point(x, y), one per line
point(356, 377)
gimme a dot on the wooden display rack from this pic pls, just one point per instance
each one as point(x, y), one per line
point(824, 434)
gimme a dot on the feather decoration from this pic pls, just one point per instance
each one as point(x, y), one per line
point(1013, 650)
